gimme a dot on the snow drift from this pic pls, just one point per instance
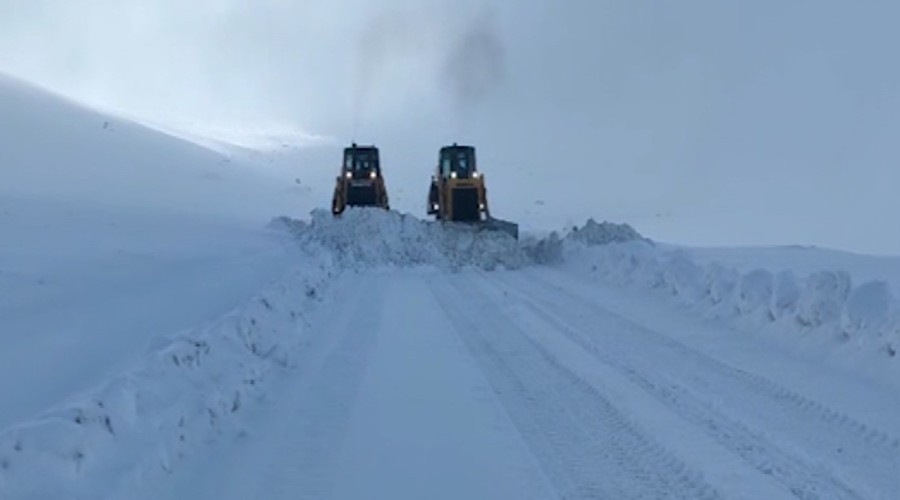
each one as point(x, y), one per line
point(107, 226)
point(826, 303)
point(549, 249)
point(363, 238)
point(116, 236)
point(190, 388)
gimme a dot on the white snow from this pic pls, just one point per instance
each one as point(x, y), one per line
point(163, 337)
point(184, 391)
point(56, 150)
point(112, 234)
point(120, 246)
point(91, 302)
point(363, 238)
point(467, 381)
point(857, 319)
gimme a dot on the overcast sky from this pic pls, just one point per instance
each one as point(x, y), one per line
point(777, 116)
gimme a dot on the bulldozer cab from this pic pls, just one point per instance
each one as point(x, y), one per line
point(457, 162)
point(360, 182)
point(361, 162)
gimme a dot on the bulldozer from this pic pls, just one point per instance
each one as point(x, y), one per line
point(360, 182)
point(458, 192)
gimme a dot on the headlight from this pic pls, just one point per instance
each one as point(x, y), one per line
point(349, 175)
point(435, 206)
point(453, 175)
point(475, 175)
point(481, 207)
point(372, 175)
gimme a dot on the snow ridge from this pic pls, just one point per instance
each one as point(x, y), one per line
point(825, 303)
point(363, 238)
point(549, 249)
point(187, 391)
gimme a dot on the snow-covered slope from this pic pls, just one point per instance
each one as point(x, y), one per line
point(112, 234)
point(56, 149)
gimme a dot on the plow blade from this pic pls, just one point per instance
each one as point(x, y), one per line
point(505, 226)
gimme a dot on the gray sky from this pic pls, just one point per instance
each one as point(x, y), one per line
point(766, 121)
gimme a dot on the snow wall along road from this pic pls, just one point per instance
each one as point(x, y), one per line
point(196, 385)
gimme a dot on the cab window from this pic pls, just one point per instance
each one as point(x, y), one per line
point(463, 165)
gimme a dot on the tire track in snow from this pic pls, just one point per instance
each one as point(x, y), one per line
point(708, 387)
point(586, 446)
point(292, 451)
point(323, 418)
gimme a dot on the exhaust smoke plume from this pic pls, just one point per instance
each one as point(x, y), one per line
point(475, 66)
point(456, 60)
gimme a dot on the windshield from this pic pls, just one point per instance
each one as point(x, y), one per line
point(361, 161)
point(462, 164)
point(457, 161)
point(364, 163)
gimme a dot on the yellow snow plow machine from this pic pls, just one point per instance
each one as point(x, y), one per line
point(360, 182)
point(458, 192)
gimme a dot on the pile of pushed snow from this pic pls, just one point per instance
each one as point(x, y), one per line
point(188, 390)
point(549, 250)
point(866, 315)
point(603, 233)
point(365, 238)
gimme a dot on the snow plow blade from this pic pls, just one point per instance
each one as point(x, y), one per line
point(504, 226)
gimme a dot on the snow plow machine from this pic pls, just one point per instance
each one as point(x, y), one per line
point(360, 182)
point(458, 192)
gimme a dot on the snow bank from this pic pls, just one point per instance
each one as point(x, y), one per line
point(75, 275)
point(594, 233)
point(189, 389)
point(866, 315)
point(549, 250)
point(194, 386)
point(364, 238)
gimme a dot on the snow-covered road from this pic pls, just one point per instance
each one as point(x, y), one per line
point(527, 384)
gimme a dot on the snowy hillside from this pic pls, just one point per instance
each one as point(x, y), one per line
point(173, 325)
point(113, 234)
point(55, 149)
